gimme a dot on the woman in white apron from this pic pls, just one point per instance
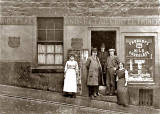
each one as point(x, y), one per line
point(70, 81)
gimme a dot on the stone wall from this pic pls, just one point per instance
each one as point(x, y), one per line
point(16, 41)
point(20, 74)
point(71, 7)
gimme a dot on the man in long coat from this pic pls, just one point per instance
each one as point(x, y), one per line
point(93, 70)
point(112, 65)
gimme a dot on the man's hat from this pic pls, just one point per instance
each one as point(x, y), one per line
point(111, 50)
point(94, 49)
point(103, 45)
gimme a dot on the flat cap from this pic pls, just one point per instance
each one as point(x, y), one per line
point(94, 49)
point(111, 49)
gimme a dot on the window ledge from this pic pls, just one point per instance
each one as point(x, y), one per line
point(142, 84)
point(48, 69)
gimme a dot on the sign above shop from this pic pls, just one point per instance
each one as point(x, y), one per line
point(111, 21)
point(77, 43)
point(13, 20)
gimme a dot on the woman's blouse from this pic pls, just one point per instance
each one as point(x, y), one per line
point(71, 65)
point(123, 73)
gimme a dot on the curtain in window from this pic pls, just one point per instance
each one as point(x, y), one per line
point(50, 56)
point(41, 54)
point(41, 58)
point(50, 59)
point(50, 48)
point(41, 48)
point(58, 57)
point(58, 48)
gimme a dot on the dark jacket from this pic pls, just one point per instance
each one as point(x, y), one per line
point(102, 58)
point(112, 62)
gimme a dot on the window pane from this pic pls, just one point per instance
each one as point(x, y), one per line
point(41, 23)
point(50, 59)
point(41, 58)
point(59, 35)
point(42, 35)
point(41, 48)
point(58, 23)
point(50, 24)
point(58, 48)
point(50, 48)
point(50, 35)
point(58, 58)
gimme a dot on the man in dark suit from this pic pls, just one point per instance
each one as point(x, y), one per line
point(111, 65)
point(102, 55)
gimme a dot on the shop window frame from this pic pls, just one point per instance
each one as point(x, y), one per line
point(153, 57)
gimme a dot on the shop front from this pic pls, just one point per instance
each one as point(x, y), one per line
point(40, 47)
point(136, 41)
point(36, 38)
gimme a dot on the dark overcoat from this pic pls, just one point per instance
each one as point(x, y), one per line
point(94, 69)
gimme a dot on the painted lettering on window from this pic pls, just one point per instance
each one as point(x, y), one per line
point(139, 48)
point(139, 57)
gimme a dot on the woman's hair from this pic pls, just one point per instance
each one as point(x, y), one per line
point(68, 57)
point(122, 64)
point(71, 56)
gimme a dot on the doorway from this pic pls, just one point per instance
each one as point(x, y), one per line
point(106, 37)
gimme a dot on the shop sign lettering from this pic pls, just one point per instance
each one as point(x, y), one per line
point(138, 48)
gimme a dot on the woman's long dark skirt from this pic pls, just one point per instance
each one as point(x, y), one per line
point(122, 92)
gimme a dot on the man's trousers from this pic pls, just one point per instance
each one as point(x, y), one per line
point(110, 81)
point(92, 90)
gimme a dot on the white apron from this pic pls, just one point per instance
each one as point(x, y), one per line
point(70, 81)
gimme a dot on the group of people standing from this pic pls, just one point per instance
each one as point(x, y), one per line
point(102, 69)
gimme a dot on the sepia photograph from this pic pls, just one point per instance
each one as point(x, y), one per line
point(79, 56)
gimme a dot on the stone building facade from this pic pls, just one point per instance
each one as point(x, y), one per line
point(37, 35)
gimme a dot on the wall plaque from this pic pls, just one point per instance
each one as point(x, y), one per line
point(77, 43)
point(14, 42)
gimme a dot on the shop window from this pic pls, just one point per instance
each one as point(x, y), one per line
point(140, 57)
point(50, 41)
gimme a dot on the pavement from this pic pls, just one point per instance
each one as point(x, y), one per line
point(14, 105)
point(17, 100)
